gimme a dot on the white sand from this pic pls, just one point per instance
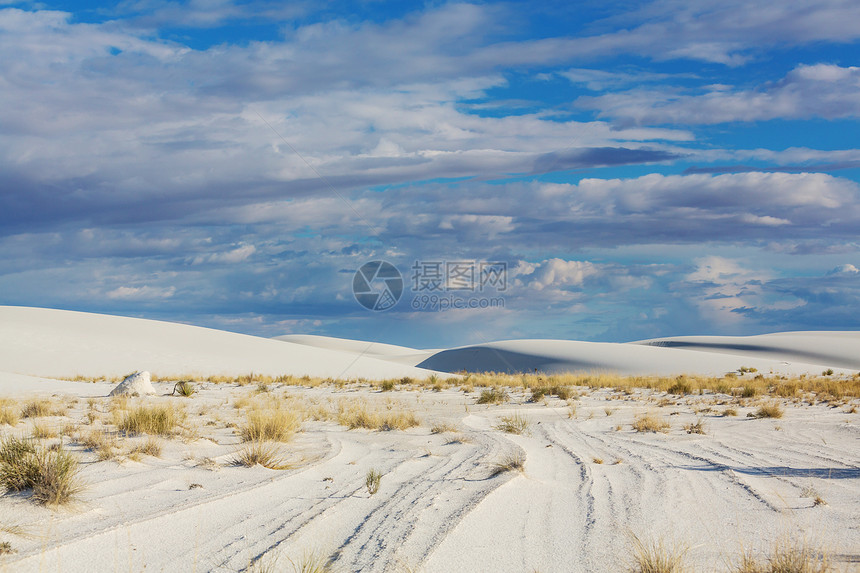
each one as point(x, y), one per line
point(58, 343)
point(743, 485)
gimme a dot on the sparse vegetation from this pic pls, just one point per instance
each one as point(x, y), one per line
point(372, 481)
point(697, 427)
point(158, 419)
point(514, 424)
point(770, 410)
point(442, 427)
point(657, 557)
point(650, 423)
point(509, 463)
point(184, 388)
point(493, 396)
point(312, 562)
point(356, 414)
point(786, 557)
point(266, 454)
point(52, 474)
point(276, 425)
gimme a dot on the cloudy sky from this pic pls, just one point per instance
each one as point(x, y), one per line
point(642, 168)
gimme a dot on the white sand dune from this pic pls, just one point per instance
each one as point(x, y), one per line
point(346, 345)
point(554, 356)
point(837, 349)
point(59, 343)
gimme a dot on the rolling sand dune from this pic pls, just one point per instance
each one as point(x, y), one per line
point(837, 349)
point(58, 343)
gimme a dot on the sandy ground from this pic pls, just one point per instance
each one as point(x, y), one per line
point(744, 484)
point(589, 483)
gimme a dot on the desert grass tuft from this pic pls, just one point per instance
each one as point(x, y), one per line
point(515, 424)
point(373, 480)
point(184, 388)
point(510, 463)
point(657, 557)
point(697, 427)
point(493, 396)
point(770, 410)
point(266, 454)
point(276, 425)
point(150, 447)
point(786, 557)
point(312, 562)
point(650, 423)
point(443, 427)
point(52, 474)
point(356, 414)
point(159, 419)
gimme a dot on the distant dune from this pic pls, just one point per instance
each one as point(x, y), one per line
point(58, 343)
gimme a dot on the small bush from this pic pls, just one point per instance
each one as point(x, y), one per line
point(52, 474)
point(18, 468)
point(730, 412)
point(771, 410)
point(372, 481)
point(650, 423)
point(515, 424)
point(493, 396)
point(266, 454)
point(58, 482)
point(388, 385)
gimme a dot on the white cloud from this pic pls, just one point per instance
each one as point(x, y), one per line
point(144, 292)
point(822, 90)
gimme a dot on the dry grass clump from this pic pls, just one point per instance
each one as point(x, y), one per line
point(266, 454)
point(510, 463)
point(493, 396)
point(184, 388)
point(373, 480)
point(657, 557)
point(9, 412)
point(44, 431)
point(786, 557)
point(157, 419)
point(515, 424)
point(682, 386)
point(41, 408)
point(697, 427)
point(150, 447)
point(52, 474)
point(770, 410)
point(276, 425)
point(356, 414)
point(101, 442)
point(730, 412)
point(650, 423)
point(443, 427)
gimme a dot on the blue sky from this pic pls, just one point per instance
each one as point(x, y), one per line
point(642, 168)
